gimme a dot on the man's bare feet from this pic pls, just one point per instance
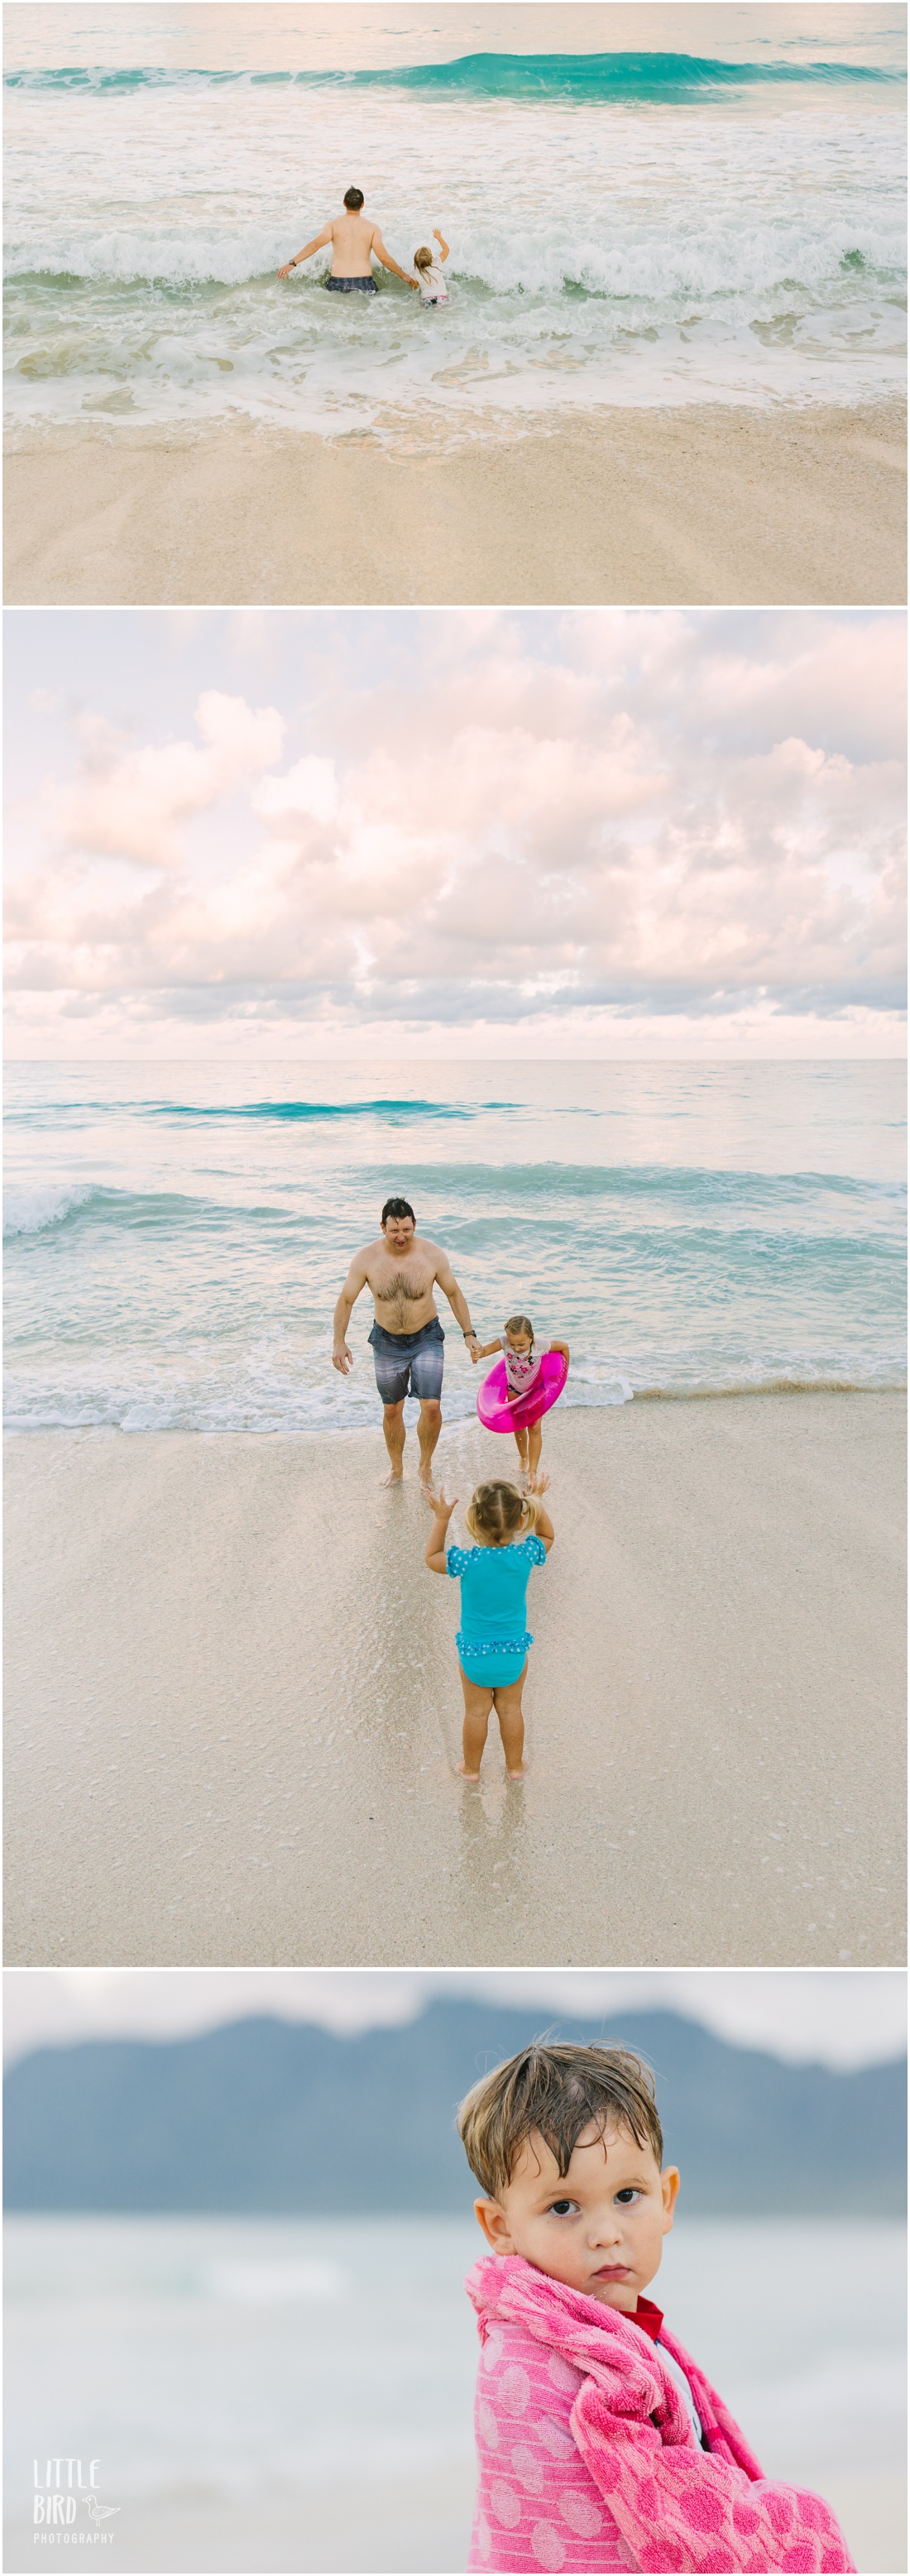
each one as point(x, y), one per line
point(395, 1477)
point(463, 1774)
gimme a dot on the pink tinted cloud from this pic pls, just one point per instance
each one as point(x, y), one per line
point(131, 804)
point(666, 828)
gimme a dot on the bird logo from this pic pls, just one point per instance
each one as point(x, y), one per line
point(98, 2513)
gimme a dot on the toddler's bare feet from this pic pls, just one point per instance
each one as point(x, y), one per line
point(464, 1774)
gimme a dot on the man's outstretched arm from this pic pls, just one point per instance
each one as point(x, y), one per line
point(320, 243)
point(342, 1358)
point(446, 1280)
point(380, 252)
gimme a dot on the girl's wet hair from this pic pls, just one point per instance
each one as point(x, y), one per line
point(520, 1324)
point(423, 258)
point(497, 1511)
point(555, 2089)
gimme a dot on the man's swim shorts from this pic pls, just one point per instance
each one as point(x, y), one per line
point(408, 1363)
point(352, 285)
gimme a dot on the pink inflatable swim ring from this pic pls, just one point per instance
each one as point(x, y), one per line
point(497, 1414)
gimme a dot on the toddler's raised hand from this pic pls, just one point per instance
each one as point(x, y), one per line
point(538, 1484)
point(438, 1504)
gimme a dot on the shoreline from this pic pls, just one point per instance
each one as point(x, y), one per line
point(327, 1429)
point(705, 504)
point(233, 1712)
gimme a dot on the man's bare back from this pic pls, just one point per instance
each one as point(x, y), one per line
point(352, 238)
point(356, 242)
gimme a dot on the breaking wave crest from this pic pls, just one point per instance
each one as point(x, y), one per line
point(638, 77)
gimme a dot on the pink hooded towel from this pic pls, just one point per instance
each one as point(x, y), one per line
point(587, 2458)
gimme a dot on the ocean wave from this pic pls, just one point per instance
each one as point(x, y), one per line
point(52, 1110)
point(393, 1110)
point(28, 1209)
point(638, 77)
point(468, 1204)
point(493, 264)
point(31, 1211)
point(691, 1184)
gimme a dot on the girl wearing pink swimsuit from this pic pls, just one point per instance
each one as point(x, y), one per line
point(523, 1362)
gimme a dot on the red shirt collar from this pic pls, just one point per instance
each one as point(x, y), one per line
point(649, 2318)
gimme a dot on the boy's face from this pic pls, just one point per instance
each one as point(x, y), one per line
point(600, 2227)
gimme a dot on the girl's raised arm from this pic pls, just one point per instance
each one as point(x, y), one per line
point(443, 245)
point(484, 1350)
point(435, 1550)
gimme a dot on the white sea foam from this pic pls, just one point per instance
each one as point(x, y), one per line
point(600, 254)
point(28, 1207)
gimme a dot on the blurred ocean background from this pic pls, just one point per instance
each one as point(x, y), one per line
point(696, 205)
point(176, 1235)
point(298, 2394)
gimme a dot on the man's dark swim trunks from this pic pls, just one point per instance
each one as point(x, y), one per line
point(408, 1363)
point(352, 285)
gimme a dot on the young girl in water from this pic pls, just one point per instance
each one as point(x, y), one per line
point(522, 1371)
point(512, 1534)
point(430, 279)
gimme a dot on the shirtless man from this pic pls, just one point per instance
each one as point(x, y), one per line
point(402, 1269)
point(354, 240)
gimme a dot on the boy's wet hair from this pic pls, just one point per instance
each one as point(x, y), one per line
point(498, 1511)
point(556, 2087)
point(520, 1324)
point(353, 198)
point(398, 1207)
point(423, 258)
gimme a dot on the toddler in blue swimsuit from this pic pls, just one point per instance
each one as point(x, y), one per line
point(512, 1534)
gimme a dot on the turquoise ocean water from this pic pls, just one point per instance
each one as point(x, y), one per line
point(176, 1235)
point(653, 219)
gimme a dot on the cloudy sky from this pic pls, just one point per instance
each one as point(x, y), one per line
point(458, 832)
point(846, 2017)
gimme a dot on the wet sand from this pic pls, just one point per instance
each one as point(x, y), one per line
point(233, 1710)
point(701, 504)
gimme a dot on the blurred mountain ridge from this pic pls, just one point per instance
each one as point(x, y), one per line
point(271, 2117)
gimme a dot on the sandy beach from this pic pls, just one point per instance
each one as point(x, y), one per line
point(701, 504)
point(233, 1710)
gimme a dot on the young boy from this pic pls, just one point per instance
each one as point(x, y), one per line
point(600, 2444)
